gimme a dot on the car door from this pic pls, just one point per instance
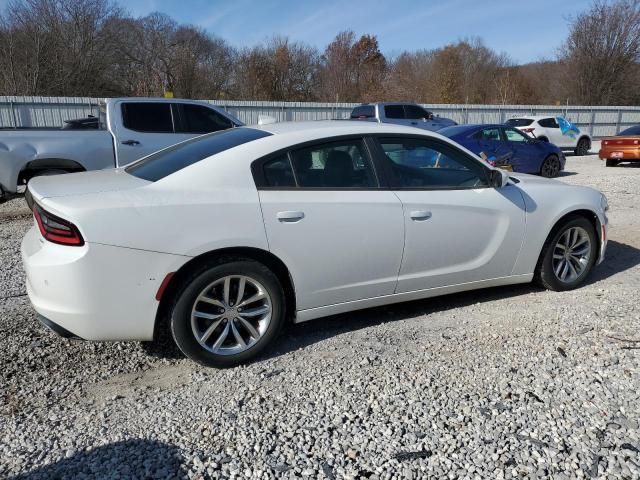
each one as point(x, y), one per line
point(491, 142)
point(147, 126)
point(394, 114)
point(553, 132)
point(340, 235)
point(418, 117)
point(457, 228)
point(523, 156)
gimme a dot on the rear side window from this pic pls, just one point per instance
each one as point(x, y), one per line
point(518, 122)
point(278, 172)
point(488, 134)
point(364, 111)
point(147, 117)
point(165, 162)
point(393, 111)
point(631, 131)
point(200, 119)
point(548, 123)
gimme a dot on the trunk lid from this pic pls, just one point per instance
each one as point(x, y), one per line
point(82, 183)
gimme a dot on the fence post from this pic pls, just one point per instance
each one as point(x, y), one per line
point(13, 115)
point(593, 121)
point(619, 121)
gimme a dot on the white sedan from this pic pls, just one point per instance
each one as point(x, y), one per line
point(224, 238)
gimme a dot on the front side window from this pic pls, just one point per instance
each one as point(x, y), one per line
point(149, 117)
point(393, 111)
point(200, 119)
point(343, 164)
point(514, 135)
point(425, 164)
point(414, 112)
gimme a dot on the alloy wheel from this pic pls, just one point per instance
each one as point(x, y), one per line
point(571, 254)
point(550, 167)
point(231, 314)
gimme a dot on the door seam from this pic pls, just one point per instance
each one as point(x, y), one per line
point(404, 241)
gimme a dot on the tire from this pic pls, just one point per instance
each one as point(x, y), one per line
point(548, 274)
point(543, 139)
point(582, 148)
point(611, 163)
point(209, 281)
point(550, 167)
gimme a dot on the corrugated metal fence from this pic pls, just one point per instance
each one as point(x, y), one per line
point(29, 112)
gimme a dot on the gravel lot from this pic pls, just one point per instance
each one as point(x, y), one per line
point(499, 383)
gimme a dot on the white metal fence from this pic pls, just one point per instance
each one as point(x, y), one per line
point(38, 112)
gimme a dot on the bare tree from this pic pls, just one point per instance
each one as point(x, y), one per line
point(602, 53)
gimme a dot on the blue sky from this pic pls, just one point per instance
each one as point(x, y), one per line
point(526, 30)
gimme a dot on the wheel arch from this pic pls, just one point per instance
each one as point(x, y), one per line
point(590, 215)
point(40, 164)
point(268, 259)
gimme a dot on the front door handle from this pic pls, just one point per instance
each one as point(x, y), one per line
point(420, 215)
point(130, 142)
point(290, 217)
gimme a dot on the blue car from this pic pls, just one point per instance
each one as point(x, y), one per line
point(507, 145)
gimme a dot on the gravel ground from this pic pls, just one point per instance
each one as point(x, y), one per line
point(499, 383)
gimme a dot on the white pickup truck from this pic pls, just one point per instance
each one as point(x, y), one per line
point(128, 129)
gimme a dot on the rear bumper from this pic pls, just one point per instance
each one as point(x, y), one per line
point(54, 327)
point(95, 292)
point(628, 154)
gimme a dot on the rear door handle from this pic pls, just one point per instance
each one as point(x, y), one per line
point(420, 215)
point(290, 217)
point(130, 142)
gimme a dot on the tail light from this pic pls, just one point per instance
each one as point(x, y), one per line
point(605, 142)
point(56, 229)
point(527, 130)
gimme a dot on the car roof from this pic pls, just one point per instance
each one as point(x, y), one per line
point(322, 128)
point(534, 117)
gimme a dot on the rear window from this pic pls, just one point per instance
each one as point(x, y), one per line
point(364, 111)
point(165, 162)
point(630, 131)
point(519, 122)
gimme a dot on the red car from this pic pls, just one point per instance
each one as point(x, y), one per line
point(624, 147)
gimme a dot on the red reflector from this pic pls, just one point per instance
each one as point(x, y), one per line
point(164, 285)
point(56, 229)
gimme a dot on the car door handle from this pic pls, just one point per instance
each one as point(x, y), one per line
point(420, 215)
point(130, 142)
point(414, 123)
point(290, 217)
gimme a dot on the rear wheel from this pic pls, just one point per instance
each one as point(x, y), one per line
point(568, 255)
point(550, 167)
point(583, 147)
point(228, 313)
point(612, 163)
point(543, 139)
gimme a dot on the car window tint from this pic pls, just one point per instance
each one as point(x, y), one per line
point(343, 164)
point(419, 163)
point(514, 135)
point(518, 122)
point(548, 123)
point(278, 172)
point(393, 111)
point(165, 162)
point(414, 112)
point(363, 111)
point(149, 117)
point(200, 119)
point(488, 134)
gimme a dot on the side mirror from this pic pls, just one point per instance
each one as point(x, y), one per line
point(498, 178)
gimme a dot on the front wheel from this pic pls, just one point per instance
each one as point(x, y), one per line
point(550, 167)
point(228, 313)
point(568, 255)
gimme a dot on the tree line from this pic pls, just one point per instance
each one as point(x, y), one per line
point(94, 48)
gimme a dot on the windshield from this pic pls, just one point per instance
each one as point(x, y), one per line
point(519, 122)
point(165, 162)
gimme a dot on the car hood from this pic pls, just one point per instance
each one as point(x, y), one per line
point(82, 183)
point(528, 179)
